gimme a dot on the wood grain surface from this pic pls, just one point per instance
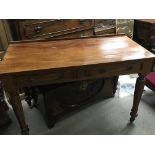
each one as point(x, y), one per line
point(21, 57)
point(46, 62)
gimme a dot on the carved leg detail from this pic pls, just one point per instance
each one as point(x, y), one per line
point(137, 96)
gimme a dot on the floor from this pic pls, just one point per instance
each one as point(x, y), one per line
point(108, 117)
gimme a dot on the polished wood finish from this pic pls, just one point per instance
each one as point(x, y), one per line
point(44, 56)
point(55, 29)
point(47, 62)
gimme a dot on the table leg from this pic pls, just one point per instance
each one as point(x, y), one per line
point(15, 101)
point(137, 96)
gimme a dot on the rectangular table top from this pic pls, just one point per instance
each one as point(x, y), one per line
point(42, 55)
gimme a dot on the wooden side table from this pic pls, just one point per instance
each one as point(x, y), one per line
point(31, 64)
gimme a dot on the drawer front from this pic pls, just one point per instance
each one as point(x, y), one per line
point(51, 27)
point(82, 73)
point(44, 78)
point(108, 70)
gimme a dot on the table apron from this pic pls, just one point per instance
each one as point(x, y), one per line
point(83, 73)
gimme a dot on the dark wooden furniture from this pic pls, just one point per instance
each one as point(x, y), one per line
point(26, 29)
point(31, 63)
point(144, 33)
point(59, 100)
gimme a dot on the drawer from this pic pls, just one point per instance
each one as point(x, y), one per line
point(107, 70)
point(44, 78)
point(52, 27)
point(79, 73)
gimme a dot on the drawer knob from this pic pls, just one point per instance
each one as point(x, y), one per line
point(38, 28)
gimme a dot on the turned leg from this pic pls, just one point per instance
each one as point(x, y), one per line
point(18, 109)
point(15, 101)
point(137, 96)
